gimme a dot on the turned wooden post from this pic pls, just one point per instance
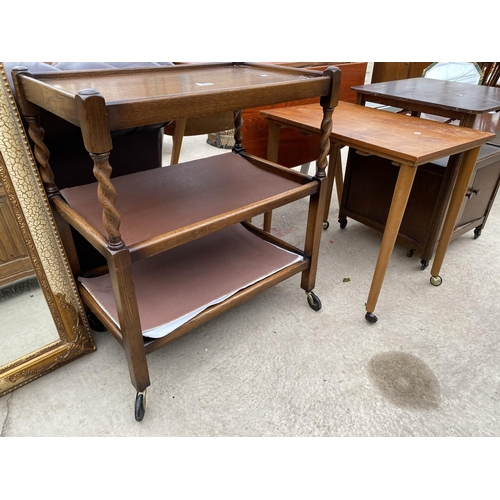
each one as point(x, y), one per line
point(31, 114)
point(328, 103)
point(317, 201)
point(91, 108)
point(324, 145)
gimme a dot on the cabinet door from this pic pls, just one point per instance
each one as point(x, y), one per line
point(480, 196)
point(14, 259)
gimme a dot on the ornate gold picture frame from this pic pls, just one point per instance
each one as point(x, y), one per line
point(24, 190)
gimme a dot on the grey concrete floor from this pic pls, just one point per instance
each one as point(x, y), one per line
point(274, 367)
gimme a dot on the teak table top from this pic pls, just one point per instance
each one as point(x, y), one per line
point(401, 138)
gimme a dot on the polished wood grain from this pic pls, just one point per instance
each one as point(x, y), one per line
point(397, 137)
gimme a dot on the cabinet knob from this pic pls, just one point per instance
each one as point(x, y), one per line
point(471, 192)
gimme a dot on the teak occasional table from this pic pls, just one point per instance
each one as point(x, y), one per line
point(405, 140)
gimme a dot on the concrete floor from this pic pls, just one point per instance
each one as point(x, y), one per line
point(274, 367)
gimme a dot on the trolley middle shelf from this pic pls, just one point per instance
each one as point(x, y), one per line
point(167, 207)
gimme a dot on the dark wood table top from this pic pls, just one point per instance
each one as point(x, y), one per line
point(440, 94)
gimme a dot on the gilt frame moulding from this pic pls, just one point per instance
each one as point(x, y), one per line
point(19, 175)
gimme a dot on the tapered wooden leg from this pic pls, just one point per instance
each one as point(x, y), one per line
point(400, 198)
point(339, 177)
point(268, 217)
point(304, 169)
point(441, 205)
point(346, 181)
point(457, 198)
point(273, 141)
point(180, 128)
point(273, 144)
point(334, 167)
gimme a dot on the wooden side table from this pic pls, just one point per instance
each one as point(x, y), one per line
point(408, 142)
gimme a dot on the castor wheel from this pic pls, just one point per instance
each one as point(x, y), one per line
point(436, 280)
point(313, 301)
point(477, 233)
point(326, 225)
point(424, 264)
point(95, 323)
point(140, 405)
point(343, 223)
point(371, 318)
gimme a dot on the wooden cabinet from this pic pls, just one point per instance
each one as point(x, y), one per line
point(15, 262)
point(369, 185)
point(388, 71)
point(481, 193)
point(178, 246)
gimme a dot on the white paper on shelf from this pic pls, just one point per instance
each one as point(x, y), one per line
point(175, 286)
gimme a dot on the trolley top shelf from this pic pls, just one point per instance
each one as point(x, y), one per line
point(175, 91)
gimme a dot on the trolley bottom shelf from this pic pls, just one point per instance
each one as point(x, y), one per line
point(175, 286)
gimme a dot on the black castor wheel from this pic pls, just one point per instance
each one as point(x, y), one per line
point(436, 280)
point(477, 233)
point(313, 301)
point(326, 225)
point(371, 318)
point(424, 264)
point(95, 323)
point(343, 223)
point(140, 405)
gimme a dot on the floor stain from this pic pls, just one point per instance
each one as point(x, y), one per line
point(405, 380)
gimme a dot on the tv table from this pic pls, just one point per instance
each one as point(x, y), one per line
point(405, 140)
